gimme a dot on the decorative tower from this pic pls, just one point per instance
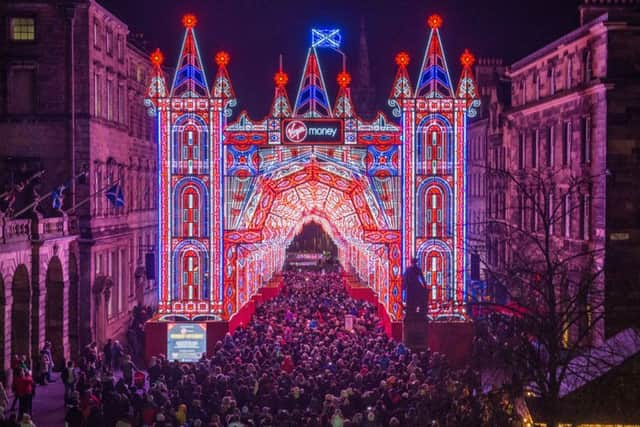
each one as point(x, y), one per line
point(433, 155)
point(189, 120)
point(312, 99)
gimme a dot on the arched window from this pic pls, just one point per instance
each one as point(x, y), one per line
point(434, 219)
point(433, 151)
point(190, 212)
point(190, 276)
point(434, 204)
point(433, 267)
point(190, 150)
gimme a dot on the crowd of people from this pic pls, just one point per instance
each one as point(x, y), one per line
point(297, 363)
point(26, 374)
point(294, 364)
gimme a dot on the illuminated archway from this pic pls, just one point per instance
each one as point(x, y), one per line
point(233, 194)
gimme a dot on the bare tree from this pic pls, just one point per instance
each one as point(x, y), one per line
point(551, 274)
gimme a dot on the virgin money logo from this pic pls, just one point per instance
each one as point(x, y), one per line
point(296, 131)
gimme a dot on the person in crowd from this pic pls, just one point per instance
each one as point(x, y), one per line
point(69, 379)
point(107, 351)
point(48, 350)
point(24, 388)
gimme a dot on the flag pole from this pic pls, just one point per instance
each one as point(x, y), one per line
point(91, 196)
point(45, 197)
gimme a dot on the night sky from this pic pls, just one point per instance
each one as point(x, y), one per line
point(256, 32)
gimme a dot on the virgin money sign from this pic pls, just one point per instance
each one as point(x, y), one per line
point(312, 131)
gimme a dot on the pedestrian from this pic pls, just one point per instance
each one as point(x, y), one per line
point(24, 392)
point(116, 354)
point(48, 349)
point(74, 417)
point(128, 369)
point(107, 350)
point(41, 371)
point(69, 380)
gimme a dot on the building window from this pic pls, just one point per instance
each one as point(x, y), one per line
point(120, 48)
point(585, 140)
point(552, 80)
point(587, 66)
point(96, 34)
point(534, 148)
point(585, 216)
point(535, 204)
point(523, 91)
point(521, 148)
point(121, 110)
point(568, 78)
point(536, 86)
point(566, 215)
point(520, 211)
point(566, 143)
point(97, 99)
point(21, 90)
point(551, 214)
point(109, 41)
point(110, 99)
point(550, 145)
point(22, 29)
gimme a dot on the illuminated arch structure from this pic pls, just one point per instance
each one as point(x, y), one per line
point(234, 194)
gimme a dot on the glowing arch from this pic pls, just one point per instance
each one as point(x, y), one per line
point(197, 275)
point(435, 146)
point(183, 213)
point(436, 260)
point(190, 146)
point(425, 207)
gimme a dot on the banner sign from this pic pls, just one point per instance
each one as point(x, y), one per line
point(186, 341)
point(312, 131)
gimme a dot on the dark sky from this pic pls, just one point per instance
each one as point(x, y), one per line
point(256, 32)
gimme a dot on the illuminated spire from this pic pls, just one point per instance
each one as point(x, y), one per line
point(312, 99)
point(281, 107)
point(157, 86)
point(434, 80)
point(467, 87)
point(222, 87)
point(189, 80)
point(401, 84)
point(344, 105)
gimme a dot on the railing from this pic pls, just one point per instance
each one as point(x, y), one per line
point(15, 230)
point(52, 227)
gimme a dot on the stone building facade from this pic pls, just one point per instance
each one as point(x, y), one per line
point(573, 126)
point(490, 78)
point(72, 86)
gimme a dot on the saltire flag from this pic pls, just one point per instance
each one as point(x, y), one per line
point(115, 195)
point(330, 38)
point(57, 195)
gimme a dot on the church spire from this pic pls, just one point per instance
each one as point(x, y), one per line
point(189, 80)
point(312, 99)
point(364, 69)
point(434, 80)
point(363, 91)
